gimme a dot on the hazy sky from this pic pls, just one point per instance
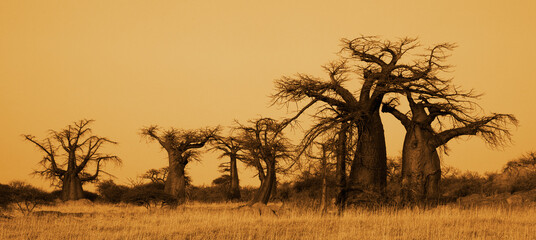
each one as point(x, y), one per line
point(191, 64)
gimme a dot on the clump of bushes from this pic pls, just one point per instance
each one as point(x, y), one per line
point(6, 196)
point(149, 196)
point(111, 192)
point(23, 196)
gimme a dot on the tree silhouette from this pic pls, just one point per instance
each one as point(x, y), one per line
point(265, 146)
point(449, 110)
point(230, 146)
point(180, 146)
point(80, 149)
point(378, 68)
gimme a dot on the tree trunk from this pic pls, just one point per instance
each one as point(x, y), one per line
point(368, 176)
point(324, 197)
point(72, 188)
point(341, 152)
point(265, 190)
point(421, 169)
point(176, 183)
point(234, 191)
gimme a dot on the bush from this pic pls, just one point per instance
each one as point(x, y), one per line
point(524, 183)
point(111, 192)
point(27, 197)
point(148, 196)
point(207, 194)
point(91, 196)
point(6, 196)
point(455, 186)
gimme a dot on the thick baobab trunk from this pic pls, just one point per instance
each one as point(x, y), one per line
point(265, 190)
point(421, 169)
point(176, 183)
point(368, 175)
point(234, 191)
point(72, 188)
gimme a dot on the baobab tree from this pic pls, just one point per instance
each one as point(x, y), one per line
point(231, 147)
point(79, 149)
point(265, 147)
point(180, 146)
point(447, 110)
point(377, 66)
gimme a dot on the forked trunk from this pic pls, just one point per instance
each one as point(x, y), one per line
point(368, 175)
point(265, 190)
point(176, 183)
point(421, 170)
point(72, 188)
point(234, 191)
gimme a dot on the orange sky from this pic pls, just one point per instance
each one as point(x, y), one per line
point(190, 64)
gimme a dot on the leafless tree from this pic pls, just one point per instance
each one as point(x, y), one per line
point(180, 146)
point(80, 149)
point(230, 147)
point(156, 175)
point(440, 114)
point(264, 146)
point(377, 66)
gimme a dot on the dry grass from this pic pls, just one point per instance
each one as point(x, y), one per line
point(222, 221)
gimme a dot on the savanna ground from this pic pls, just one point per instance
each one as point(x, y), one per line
point(225, 221)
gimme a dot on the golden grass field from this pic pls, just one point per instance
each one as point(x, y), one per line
point(224, 221)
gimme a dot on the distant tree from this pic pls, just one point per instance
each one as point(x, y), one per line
point(524, 163)
point(159, 176)
point(230, 147)
point(521, 173)
point(80, 150)
point(156, 175)
point(265, 147)
point(180, 146)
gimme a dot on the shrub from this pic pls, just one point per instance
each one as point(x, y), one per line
point(91, 196)
point(148, 196)
point(111, 192)
point(6, 196)
point(207, 194)
point(455, 186)
point(27, 197)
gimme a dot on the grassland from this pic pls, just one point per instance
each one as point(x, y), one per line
point(224, 221)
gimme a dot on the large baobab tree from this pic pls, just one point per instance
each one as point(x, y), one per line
point(265, 147)
point(79, 149)
point(231, 147)
point(378, 67)
point(180, 146)
point(446, 110)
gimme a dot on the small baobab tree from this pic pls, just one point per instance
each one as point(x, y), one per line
point(79, 149)
point(180, 146)
point(265, 147)
point(230, 147)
